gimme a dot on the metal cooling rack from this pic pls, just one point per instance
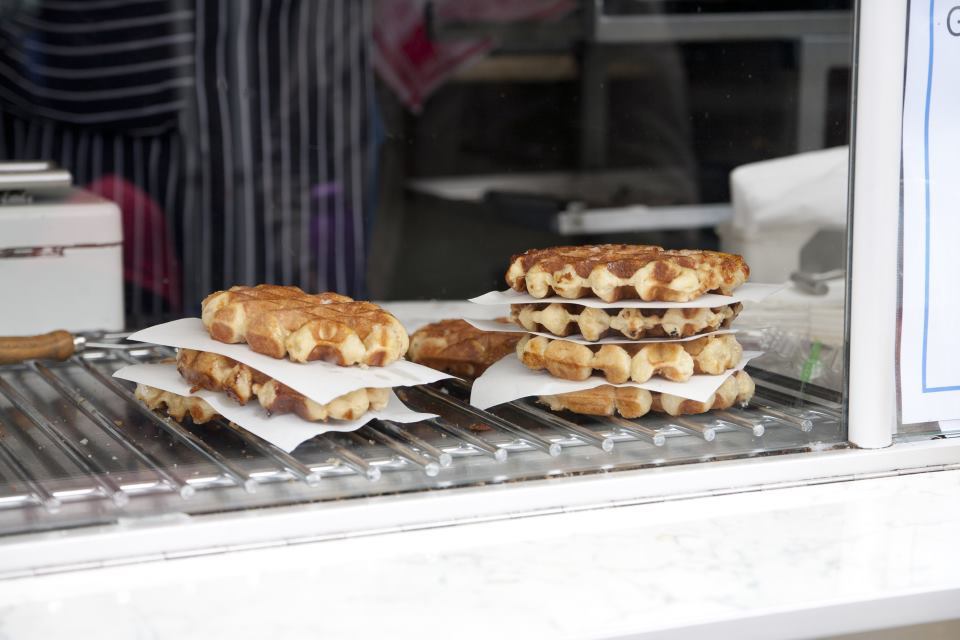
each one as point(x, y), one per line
point(77, 449)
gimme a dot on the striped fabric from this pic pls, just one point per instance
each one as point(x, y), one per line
point(106, 64)
point(246, 122)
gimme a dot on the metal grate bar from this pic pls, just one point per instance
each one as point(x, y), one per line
point(653, 436)
point(97, 474)
point(583, 433)
point(693, 427)
point(739, 422)
point(175, 482)
point(442, 457)
point(234, 473)
point(428, 466)
point(550, 448)
point(350, 459)
point(784, 391)
point(282, 459)
point(498, 453)
point(804, 424)
point(37, 491)
point(775, 397)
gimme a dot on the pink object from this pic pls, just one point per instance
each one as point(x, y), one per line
point(414, 66)
point(151, 249)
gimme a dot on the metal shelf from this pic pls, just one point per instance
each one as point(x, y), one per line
point(78, 449)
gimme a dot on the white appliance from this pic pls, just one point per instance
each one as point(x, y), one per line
point(61, 261)
point(780, 204)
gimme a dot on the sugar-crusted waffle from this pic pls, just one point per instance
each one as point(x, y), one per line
point(459, 348)
point(214, 372)
point(676, 361)
point(286, 322)
point(632, 402)
point(614, 272)
point(563, 320)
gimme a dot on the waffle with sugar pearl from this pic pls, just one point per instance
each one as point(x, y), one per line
point(631, 402)
point(287, 322)
point(214, 372)
point(567, 319)
point(619, 363)
point(177, 406)
point(614, 272)
point(459, 348)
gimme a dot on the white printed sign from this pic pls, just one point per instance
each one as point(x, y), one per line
point(929, 338)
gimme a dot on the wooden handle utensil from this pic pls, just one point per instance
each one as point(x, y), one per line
point(56, 345)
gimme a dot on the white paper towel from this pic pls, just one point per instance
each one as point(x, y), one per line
point(780, 204)
point(808, 189)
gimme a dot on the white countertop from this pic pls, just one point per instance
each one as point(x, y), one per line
point(785, 563)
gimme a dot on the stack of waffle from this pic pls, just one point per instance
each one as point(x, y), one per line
point(578, 331)
point(284, 323)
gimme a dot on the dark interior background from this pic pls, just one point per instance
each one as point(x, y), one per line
point(697, 110)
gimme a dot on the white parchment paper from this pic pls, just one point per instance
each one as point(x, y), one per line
point(493, 325)
point(319, 381)
point(286, 431)
point(748, 292)
point(509, 380)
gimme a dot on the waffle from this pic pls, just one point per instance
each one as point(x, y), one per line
point(286, 322)
point(593, 324)
point(459, 348)
point(214, 372)
point(620, 271)
point(279, 398)
point(619, 363)
point(737, 389)
point(631, 402)
point(177, 406)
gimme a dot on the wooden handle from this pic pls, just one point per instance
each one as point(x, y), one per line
point(56, 345)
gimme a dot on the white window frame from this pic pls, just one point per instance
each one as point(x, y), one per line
point(874, 222)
